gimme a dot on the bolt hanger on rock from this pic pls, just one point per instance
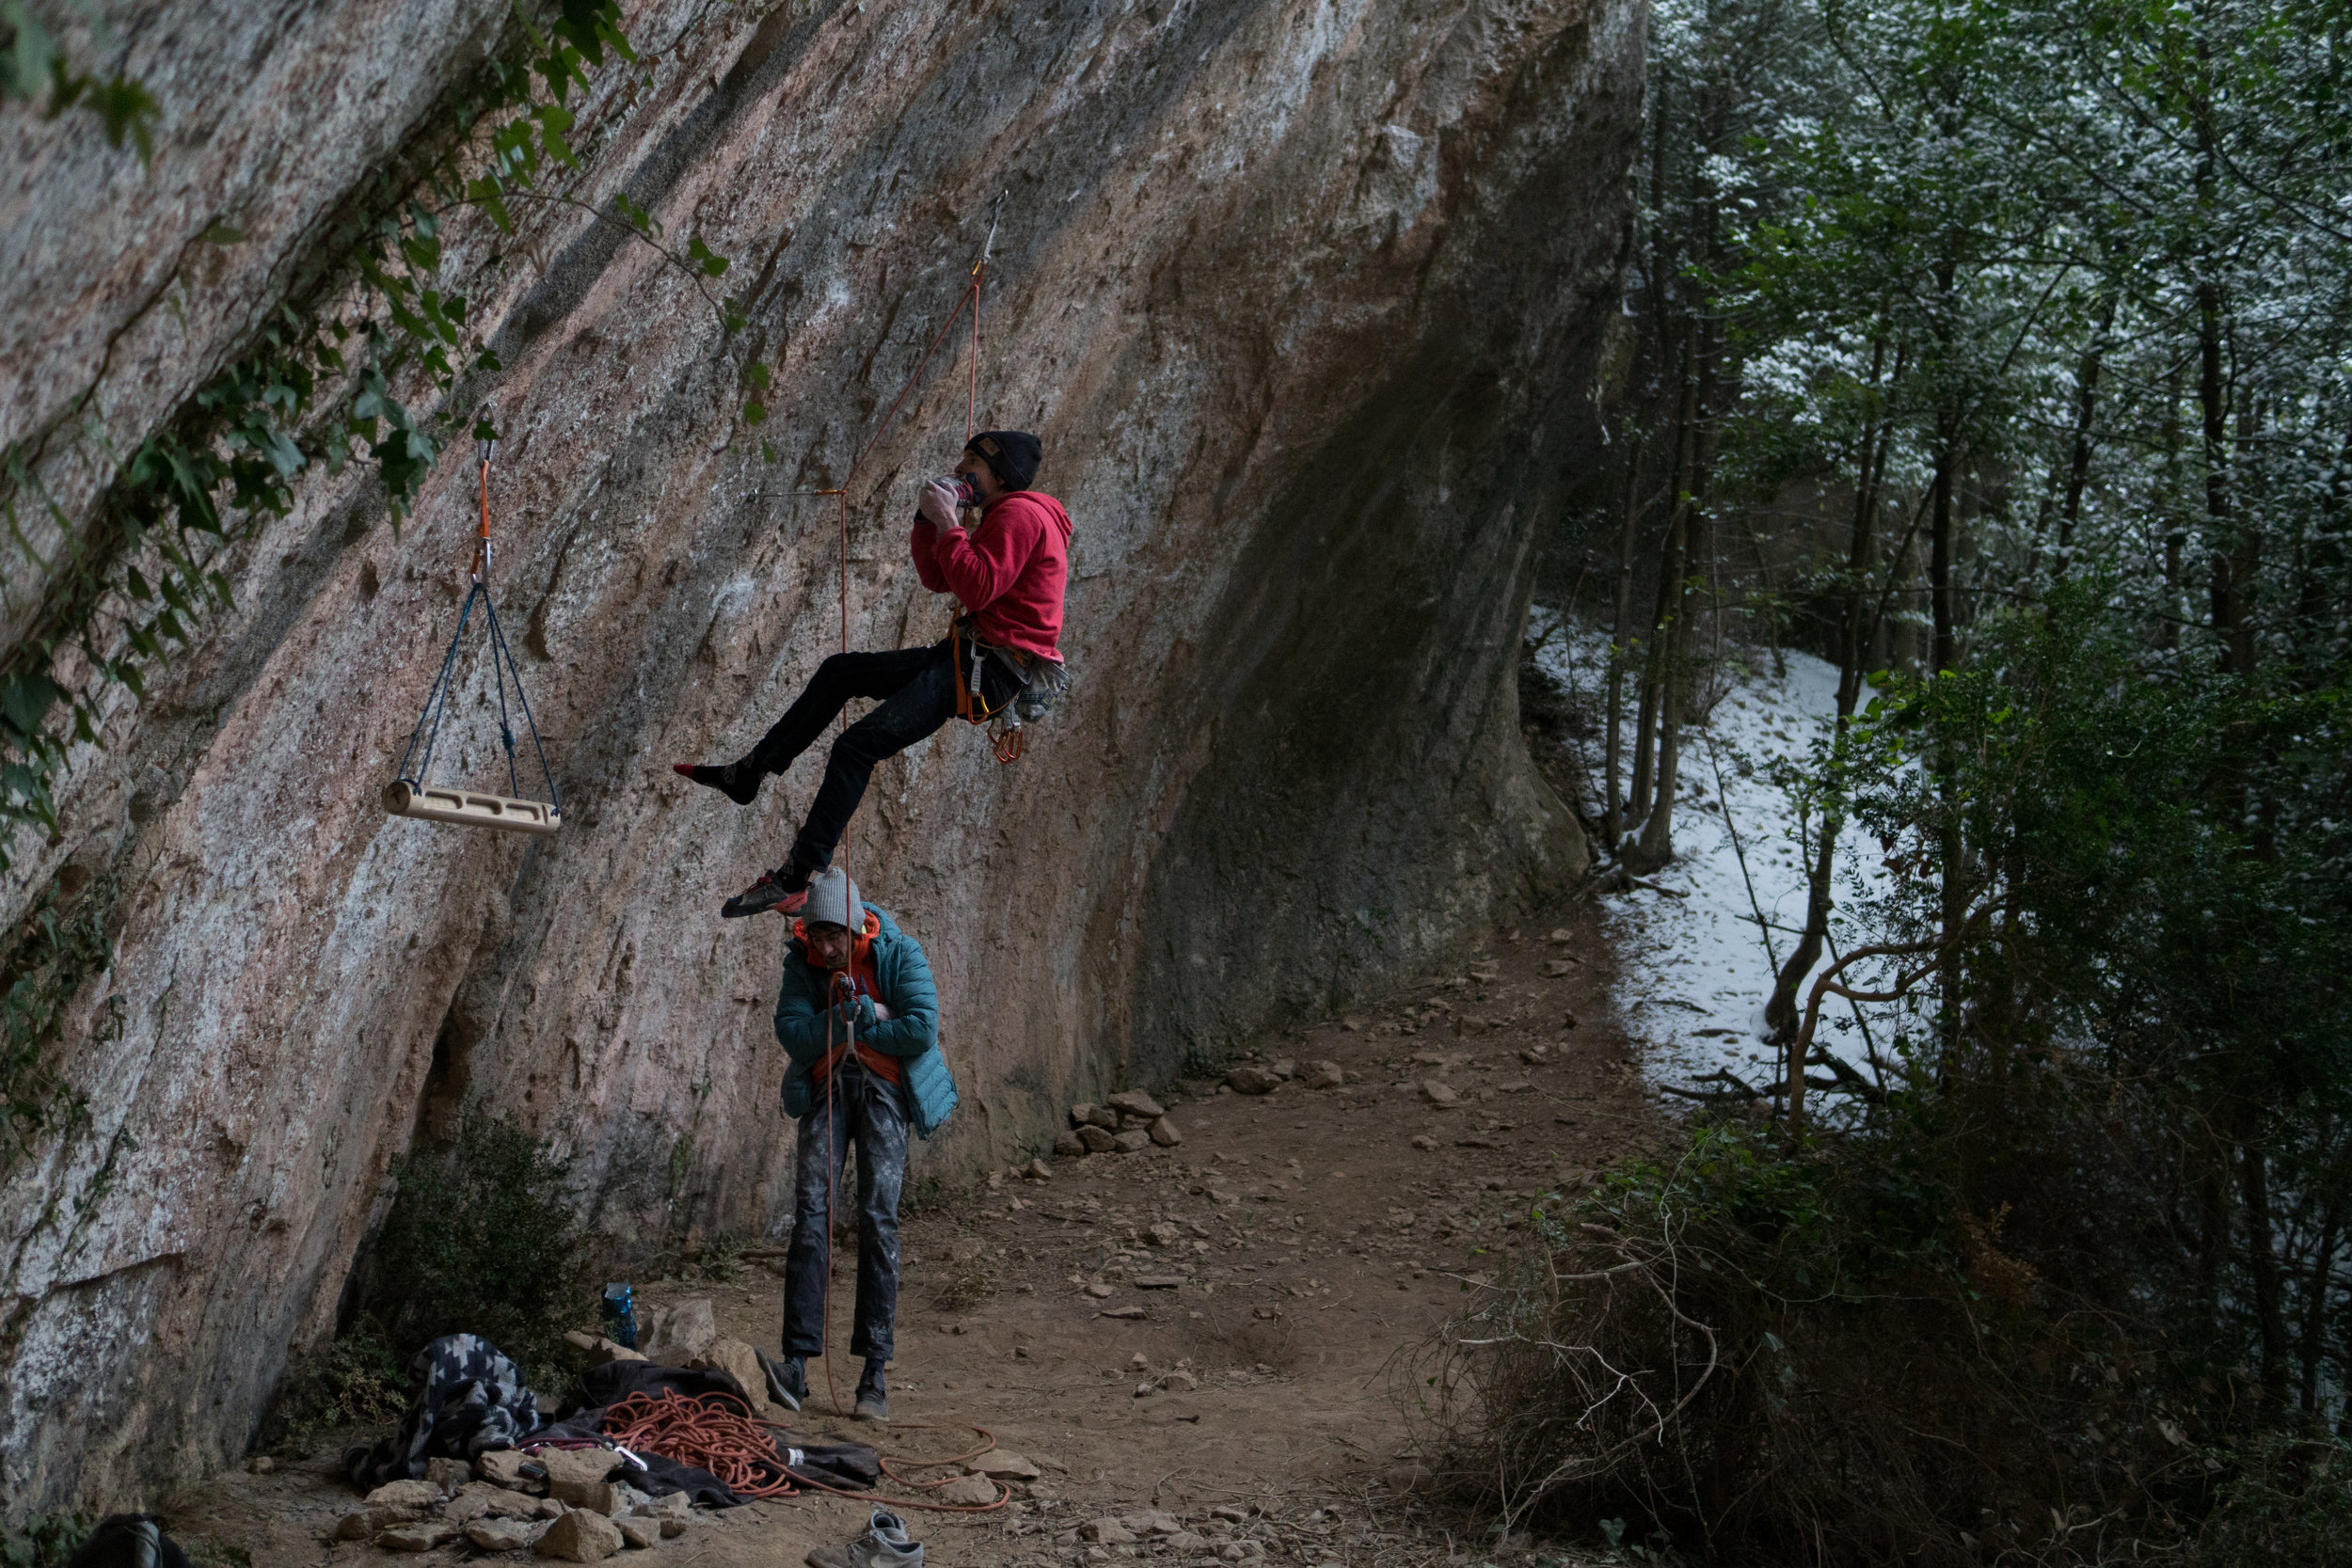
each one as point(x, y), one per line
point(410, 794)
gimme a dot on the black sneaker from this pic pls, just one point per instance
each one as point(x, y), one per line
point(785, 889)
point(738, 781)
point(873, 1400)
point(787, 1379)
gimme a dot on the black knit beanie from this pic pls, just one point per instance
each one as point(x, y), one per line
point(1011, 455)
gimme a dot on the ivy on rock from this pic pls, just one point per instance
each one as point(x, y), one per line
point(315, 386)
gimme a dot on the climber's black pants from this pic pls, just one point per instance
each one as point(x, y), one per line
point(917, 689)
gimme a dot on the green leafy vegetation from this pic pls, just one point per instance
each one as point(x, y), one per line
point(58, 946)
point(46, 1541)
point(355, 1381)
point(2062, 1285)
point(316, 387)
point(1996, 356)
point(2286, 1501)
point(481, 1238)
point(34, 67)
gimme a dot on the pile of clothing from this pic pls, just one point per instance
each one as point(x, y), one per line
point(466, 1399)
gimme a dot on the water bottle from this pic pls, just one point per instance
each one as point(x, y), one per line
point(620, 1315)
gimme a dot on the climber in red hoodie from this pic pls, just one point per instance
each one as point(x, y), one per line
point(1008, 567)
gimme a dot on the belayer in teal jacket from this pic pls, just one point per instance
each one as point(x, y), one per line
point(909, 1034)
point(859, 1017)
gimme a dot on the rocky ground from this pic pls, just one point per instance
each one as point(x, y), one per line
point(1195, 1347)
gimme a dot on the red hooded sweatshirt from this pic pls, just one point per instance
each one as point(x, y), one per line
point(1009, 572)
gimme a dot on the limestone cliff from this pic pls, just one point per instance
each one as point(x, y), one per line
point(1303, 299)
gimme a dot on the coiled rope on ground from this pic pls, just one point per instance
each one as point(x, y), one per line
point(717, 1432)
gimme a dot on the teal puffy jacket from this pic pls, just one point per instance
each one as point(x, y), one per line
point(911, 1033)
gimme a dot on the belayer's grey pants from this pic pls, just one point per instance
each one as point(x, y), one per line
point(870, 1111)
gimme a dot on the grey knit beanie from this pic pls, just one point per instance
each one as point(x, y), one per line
point(833, 900)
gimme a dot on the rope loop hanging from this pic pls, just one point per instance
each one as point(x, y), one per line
point(410, 793)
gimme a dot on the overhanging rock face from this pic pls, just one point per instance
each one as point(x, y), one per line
point(1303, 300)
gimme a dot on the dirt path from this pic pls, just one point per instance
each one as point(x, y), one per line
point(1317, 1233)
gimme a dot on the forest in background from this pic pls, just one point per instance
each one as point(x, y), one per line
point(1997, 355)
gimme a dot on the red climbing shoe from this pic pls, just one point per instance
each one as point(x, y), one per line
point(738, 781)
point(785, 890)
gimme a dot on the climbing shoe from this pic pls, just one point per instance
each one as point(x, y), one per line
point(787, 1379)
point(737, 781)
point(873, 1400)
point(785, 889)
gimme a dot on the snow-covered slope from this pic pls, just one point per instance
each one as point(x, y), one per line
point(1694, 970)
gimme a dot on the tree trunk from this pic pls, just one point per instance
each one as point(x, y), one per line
point(1854, 635)
point(1676, 600)
point(1941, 527)
point(2168, 629)
point(2078, 462)
point(1656, 842)
point(1620, 651)
point(2315, 1305)
point(2212, 1241)
point(2262, 1265)
point(1943, 524)
point(1669, 552)
point(2225, 588)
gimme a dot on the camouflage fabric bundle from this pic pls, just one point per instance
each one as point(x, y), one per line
point(464, 1398)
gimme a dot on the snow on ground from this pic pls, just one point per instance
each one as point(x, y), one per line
point(1694, 972)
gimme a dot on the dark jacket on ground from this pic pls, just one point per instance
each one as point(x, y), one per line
point(911, 1033)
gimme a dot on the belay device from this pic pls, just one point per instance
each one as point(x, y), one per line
point(411, 795)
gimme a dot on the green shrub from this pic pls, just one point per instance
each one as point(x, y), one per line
point(356, 1380)
point(481, 1240)
point(1820, 1355)
point(47, 1541)
point(2290, 1502)
point(57, 946)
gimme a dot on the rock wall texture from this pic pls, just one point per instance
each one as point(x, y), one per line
point(1304, 297)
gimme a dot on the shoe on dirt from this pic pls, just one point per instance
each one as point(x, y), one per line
point(737, 782)
point(884, 1543)
point(787, 1379)
point(783, 890)
point(873, 1400)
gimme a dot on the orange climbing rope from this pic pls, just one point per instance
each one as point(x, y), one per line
point(717, 1432)
point(700, 1430)
point(1004, 1492)
point(971, 296)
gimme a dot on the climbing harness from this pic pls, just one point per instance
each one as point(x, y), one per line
point(972, 704)
point(409, 794)
point(1042, 683)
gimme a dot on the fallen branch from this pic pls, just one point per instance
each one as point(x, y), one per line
point(1843, 1076)
point(1741, 1092)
